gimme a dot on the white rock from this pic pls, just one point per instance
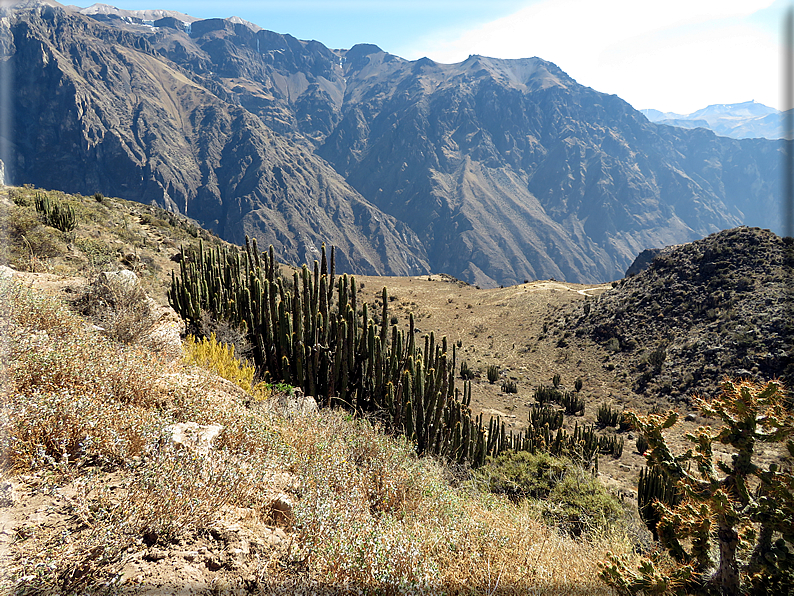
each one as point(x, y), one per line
point(125, 278)
point(193, 437)
point(289, 406)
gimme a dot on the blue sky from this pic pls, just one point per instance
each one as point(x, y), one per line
point(676, 55)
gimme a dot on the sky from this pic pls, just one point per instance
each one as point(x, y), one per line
point(674, 56)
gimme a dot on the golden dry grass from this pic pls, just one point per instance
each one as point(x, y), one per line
point(368, 514)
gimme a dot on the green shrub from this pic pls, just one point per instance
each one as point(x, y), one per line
point(520, 474)
point(580, 504)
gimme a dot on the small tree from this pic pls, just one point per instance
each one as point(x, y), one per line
point(727, 508)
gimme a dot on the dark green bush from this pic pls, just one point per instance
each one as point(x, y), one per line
point(521, 475)
point(580, 504)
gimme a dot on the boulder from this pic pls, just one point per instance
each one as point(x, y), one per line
point(194, 437)
point(125, 278)
point(291, 405)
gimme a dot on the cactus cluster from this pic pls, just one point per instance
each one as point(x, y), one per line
point(611, 445)
point(509, 386)
point(606, 416)
point(466, 373)
point(732, 531)
point(312, 333)
point(580, 446)
point(571, 401)
point(56, 214)
point(540, 416)
point(493, 373)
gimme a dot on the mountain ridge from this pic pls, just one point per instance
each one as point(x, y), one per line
point(491, 170)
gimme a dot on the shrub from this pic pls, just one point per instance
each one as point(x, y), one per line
point(740, 511)
point(521, 474)
point(120, 306)
point(580, 504)
point(220, 359)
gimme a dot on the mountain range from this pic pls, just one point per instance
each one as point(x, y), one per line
point(493, 171)
point(746, 120)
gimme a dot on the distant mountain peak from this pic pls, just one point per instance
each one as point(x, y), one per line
point(142, 15)
point(747, 119)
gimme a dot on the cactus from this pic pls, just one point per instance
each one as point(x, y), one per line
point(540, 416)
point(466, 373)
point(56, 214)
point(577, 384)
point(728, 507)
point(655, 486)
point(509, 387)
point(572, 402)
point(611, 445)
point(493, 373)
point(606, 416)
point(544, 394)
point(641, 444)
point(333, 350)
point(555, 380)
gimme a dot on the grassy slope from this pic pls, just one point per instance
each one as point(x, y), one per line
point(114, 505)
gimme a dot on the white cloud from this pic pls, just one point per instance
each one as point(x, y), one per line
point(678, 55)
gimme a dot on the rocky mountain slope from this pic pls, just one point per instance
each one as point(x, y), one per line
point(715, 307)
point(491, 170)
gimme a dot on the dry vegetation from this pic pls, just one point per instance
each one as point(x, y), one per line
point(95, 497)
point(112, 500)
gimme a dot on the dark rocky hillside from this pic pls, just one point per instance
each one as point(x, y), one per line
point(493, 171)
point(701, 311)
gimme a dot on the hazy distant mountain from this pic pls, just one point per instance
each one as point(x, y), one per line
point(491, 170)
point(748, 120)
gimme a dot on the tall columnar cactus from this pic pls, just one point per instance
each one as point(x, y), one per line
point(655, 486)
point(56, 214)
point(312, 333)
point(726, 506)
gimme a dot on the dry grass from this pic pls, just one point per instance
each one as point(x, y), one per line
point(368, 515)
